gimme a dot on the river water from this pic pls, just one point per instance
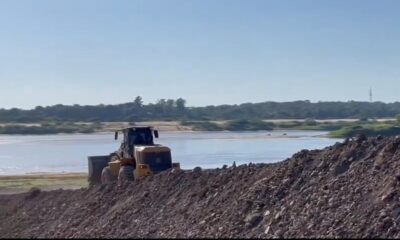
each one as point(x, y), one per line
point(68, 152)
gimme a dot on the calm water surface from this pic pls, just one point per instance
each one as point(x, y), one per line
point(68, 153)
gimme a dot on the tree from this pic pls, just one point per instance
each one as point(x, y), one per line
point(170, 103)
point(138, 102)
point(161, 102)
point(180, 105)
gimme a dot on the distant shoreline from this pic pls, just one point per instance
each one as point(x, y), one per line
point(338, 128)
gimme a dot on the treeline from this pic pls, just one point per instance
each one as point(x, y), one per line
point(170, 109)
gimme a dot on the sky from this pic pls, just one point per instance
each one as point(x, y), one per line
point(208, 52)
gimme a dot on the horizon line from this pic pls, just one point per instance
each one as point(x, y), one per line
point(225, 104)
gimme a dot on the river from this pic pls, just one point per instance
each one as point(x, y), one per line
point(68, 152)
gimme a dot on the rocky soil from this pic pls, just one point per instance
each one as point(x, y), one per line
point(351, 189)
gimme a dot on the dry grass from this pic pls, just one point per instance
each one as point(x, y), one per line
point(22, 183)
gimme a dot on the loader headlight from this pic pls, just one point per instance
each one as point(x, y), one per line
point(143, 166)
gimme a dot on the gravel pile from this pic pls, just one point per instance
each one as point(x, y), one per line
point(351, 189)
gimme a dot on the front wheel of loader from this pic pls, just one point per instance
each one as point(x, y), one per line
point(126, 173)
point(106, 175)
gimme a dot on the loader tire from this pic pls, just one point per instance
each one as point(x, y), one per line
point(107, 176)
point(126, 173)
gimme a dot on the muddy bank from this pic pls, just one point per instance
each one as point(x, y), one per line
point(351, 189)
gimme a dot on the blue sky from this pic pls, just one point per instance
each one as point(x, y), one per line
point(206, 51)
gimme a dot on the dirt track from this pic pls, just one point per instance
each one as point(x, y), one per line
point(347, 190)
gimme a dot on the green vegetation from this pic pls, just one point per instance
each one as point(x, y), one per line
point(169, 109)
point(243, 117)
point(257, 125)
point(50, 128)
point(367, 129)
point(247, 125)
point(233, 125)
point(316, 126)
point(202, 125)
point(340, 129)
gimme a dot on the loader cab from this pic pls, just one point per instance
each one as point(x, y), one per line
point(135, 136)
point(140, 136)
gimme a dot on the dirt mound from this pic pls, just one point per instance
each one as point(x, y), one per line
point(350, 189)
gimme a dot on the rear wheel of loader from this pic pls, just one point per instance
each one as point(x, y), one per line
point(106, 175)
point(126, 173)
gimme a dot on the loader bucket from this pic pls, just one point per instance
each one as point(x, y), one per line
point(96, 165)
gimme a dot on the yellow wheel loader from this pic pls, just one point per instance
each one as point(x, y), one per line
point(137, 157)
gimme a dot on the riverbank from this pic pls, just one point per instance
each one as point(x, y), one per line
point(85, 127)
point(338, 128)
